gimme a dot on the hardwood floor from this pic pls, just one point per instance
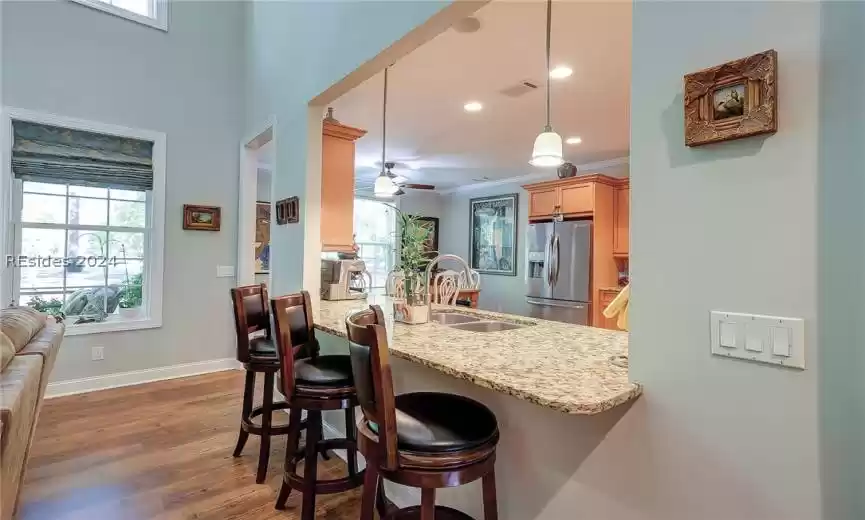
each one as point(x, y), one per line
point(160, 451)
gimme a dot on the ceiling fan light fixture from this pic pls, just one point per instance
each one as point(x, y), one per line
point(548, 150)
point(384, 186)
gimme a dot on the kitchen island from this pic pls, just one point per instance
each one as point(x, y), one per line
point(558, 392)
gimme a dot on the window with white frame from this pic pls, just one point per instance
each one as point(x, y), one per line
point(148, 12)
point(83, 239)
point(375, 235)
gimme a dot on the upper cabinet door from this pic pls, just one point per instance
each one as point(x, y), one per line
point(577, 198)
point(621, 231)
point(337, 186)
point(543, 203)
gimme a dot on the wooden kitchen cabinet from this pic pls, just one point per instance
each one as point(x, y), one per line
point(573, 197)
point(576, 199)
point(605, 298)
point(337, 186)
point(622, 224)
point(543, 203)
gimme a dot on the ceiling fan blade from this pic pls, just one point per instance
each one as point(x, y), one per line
point(419, 186)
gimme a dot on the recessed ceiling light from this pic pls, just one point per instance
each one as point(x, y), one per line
point(573, 140)
point(473, 106)
point(561, 72)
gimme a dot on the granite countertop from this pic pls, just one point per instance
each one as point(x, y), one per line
point(569, 368)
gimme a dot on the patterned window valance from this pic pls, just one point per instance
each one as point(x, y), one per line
point(44, 153)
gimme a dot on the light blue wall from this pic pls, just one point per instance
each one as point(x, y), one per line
point(67, 59)
point(296, 50)
point(731, 226)
point(841, 259)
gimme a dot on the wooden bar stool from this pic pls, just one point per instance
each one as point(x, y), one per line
point(313, 383)
point(427, 440)
point(257, 353)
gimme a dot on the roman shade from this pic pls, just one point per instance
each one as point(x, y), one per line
point(44, 153)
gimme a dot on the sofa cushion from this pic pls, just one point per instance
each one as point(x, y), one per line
point(7, 351)
point(20, 324)
point(19, 392)
point(46, 343)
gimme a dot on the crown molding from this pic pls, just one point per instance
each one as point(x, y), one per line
point(538, 176)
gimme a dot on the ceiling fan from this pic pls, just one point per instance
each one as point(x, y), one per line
point(400, 181)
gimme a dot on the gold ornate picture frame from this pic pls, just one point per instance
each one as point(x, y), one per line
point(731, 101)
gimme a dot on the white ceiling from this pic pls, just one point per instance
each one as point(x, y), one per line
point(445, 146)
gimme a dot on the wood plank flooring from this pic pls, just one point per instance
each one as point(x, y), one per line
point(160, 451)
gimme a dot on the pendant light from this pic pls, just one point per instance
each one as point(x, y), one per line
point(384, 185)
point(547, 151)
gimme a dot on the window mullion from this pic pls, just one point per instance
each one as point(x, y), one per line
point(66, 242)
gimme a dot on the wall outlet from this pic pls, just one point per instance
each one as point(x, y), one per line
point(97, 353)
point(224, 271)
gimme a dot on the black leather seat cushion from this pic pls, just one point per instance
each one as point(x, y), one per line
point(434, 422)
point(262, 349)
point(324, 371)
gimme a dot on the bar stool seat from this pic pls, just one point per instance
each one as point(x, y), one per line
point(331, 370)
point(427, 440)
point(256, 351)
point(314, 383)
point(431, 422)
point(262, 350)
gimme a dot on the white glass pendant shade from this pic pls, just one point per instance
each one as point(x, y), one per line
point(384, 186)
point(548, 151)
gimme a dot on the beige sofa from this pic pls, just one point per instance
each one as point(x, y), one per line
point(29, 342)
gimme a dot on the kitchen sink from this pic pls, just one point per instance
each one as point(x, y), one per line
point(450, 318)
point(487, 326)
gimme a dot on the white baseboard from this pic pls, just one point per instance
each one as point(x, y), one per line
point(137, 377)
point(401, 496)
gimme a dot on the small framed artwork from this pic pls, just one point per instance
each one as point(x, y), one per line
point(262, 237)
point(288, 211)
point(201, 218)
point(431, 246)
point(493, 234)
point(734, 100)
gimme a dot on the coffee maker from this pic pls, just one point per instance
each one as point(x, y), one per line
point(344, 280)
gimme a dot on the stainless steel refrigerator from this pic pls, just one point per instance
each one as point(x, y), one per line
point(558, 270)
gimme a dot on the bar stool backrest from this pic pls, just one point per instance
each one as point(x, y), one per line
point(370, 365)
point(295, 335)
point(251, 315)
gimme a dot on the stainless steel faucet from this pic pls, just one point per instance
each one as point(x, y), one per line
point(429, 269)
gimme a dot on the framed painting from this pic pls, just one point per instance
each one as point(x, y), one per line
point(733, 100)
point(493, 234)
point(431, 246)
point(262, 237)
point(201, 218)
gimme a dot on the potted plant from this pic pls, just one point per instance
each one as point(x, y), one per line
point(131, 297)
point(413, 259)
point(51, 307)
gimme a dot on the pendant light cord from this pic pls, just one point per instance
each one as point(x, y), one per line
point(547, 128)
point(384, 121)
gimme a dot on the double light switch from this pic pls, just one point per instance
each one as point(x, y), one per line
point(764, 339)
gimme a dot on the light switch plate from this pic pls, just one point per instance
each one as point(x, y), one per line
point(759, 338)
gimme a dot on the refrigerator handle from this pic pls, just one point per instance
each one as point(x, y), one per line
point(555, 261)
point(548, 260)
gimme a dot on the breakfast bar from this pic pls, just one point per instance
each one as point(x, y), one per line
point(558, 391)
point(567, 368)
